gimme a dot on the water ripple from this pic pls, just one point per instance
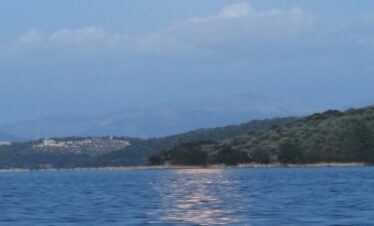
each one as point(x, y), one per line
point(324, 196)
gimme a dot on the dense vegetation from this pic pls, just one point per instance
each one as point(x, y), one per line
point(332, 136)
point(106, 152)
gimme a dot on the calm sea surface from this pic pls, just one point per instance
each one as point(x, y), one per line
point(320, 196)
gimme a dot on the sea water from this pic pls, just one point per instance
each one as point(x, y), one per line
point(278, 196)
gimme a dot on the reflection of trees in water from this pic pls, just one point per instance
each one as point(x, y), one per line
point(194, 196)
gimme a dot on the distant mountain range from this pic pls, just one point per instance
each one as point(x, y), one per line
point(152, 122)
point(12, 138)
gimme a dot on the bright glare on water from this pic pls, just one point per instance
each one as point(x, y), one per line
point(321, 196)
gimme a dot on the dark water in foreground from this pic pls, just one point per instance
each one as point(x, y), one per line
point(321, 196)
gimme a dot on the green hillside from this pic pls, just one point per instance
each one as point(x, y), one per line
point(332, 136)
point(71, 152)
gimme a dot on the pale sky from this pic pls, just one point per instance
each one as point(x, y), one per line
point(92, 57)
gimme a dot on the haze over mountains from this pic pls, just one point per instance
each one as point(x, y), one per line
point(153, 122)
point(7, 137)
point(203, 64)
point(304, 56)
point(159, 120)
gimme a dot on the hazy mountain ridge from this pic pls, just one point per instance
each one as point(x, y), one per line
point(160, 121)
point(10, 138)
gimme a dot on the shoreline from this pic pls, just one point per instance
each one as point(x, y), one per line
point(180, 167)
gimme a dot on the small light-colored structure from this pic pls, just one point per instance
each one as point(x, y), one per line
point(5, 143)
point(87, 145)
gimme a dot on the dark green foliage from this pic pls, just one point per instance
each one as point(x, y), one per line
point(155, 160)
point(185, 154)
point(191, 157)
point(331, 136)
point(23, 155)
point(260, 155)
point(290, 152)
point(229, 156)
point(231, 131)
point(357, 144)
